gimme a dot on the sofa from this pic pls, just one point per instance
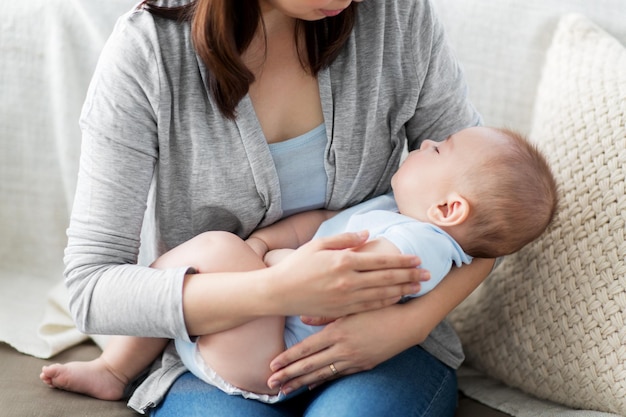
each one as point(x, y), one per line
point(545, 335)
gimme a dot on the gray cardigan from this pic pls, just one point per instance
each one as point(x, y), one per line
point(159, 163)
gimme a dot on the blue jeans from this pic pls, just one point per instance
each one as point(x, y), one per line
point(413, 383)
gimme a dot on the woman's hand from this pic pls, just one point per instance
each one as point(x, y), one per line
point(361, 341)
point(322, 279)
point(351, 344)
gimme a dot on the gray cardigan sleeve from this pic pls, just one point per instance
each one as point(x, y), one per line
point(109, 292)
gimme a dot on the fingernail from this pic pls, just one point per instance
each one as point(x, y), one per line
point(273, 384)
point(287, 390)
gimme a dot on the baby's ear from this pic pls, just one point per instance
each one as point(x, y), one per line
point(451, 212)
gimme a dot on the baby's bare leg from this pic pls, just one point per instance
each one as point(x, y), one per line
point(122, 360)
point(241, 355)
point(228, 352)
point(106, 377)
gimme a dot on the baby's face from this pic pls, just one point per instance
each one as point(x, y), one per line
point(430, 174)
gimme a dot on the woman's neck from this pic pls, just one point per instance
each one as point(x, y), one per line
point(273, 40)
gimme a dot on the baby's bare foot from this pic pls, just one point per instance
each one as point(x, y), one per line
point(92, 378)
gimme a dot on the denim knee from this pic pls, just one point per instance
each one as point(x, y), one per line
point(414, 383)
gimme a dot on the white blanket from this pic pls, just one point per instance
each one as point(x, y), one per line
point(48, 49)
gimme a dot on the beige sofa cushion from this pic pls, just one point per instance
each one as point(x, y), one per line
point(552, 319)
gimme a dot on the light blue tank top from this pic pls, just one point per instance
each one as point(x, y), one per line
point(301, 173)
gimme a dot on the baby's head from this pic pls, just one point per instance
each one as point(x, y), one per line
point(490, 189)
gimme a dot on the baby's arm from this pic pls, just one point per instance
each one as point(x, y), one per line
point(379, 245)
point(276, 255)
point(290, 233)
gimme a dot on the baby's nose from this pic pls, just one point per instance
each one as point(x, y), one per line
point(427, 144)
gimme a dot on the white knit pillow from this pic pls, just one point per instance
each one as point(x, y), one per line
point(551, 320)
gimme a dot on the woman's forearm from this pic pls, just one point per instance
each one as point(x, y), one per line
point(219, 301)
point(409, 324)
point(318, 279)
point(430, 309)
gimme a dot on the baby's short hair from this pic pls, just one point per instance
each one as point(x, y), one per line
point(513, 198)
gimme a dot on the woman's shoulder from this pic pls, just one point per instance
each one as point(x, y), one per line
point(400, 11)
point(139, 32)
point(140, 18)
point(135, 23)
point(170, 3)
point(140, 50)
point(140, 15)
point(408, 24)
point(399, 31)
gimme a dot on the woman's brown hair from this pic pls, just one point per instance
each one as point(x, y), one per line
point(222, 29)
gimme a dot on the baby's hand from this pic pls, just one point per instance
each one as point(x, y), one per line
point(277, 255)
point(258, 246)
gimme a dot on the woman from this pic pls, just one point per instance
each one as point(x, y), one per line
point(228, 115)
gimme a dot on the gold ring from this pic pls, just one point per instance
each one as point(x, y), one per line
point(333, 369)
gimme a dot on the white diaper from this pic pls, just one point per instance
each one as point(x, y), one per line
point(189, 354)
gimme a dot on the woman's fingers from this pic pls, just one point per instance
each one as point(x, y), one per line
point(317, 320)
point(364, 261)
point(309, 362)
point(303, 364)
point(335, 282)
point(372, 295)
point(342, 240)
point(311, 380)
point(368, 261)
point(387, 283)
